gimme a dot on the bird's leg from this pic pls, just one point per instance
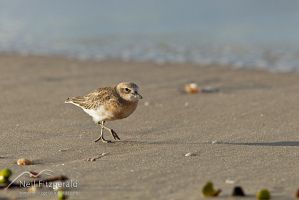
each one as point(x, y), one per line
point(113, 133)
point(102, 134)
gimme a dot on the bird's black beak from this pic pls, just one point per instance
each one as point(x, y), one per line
point(138, 95)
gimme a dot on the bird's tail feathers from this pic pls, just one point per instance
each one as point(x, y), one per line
point(75, 100)
point(68, 100)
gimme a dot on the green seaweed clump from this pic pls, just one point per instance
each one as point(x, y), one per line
point(61, 195)
point(4, 176)
point(263, 194)
point(208, 190)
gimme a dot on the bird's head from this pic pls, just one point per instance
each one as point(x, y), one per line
point(128, 91)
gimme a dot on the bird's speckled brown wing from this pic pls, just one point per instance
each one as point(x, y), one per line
point(96, 98)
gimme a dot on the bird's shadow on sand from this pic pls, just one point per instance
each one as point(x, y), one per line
point(156, 142)
point(273, 144)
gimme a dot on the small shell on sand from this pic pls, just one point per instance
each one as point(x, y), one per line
point(23, 161)
point(63, 150)
point(96, 157)
point(191, 88)
point(229, 181)
point(190, 154)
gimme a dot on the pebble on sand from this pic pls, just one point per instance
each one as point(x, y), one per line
point(33, 174)
point(238, 192)
point(209, 90)
point(191, 88)
point(24, 161)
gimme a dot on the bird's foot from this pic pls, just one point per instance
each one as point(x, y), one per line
point(103, 140)
point(114, 134)
point(98, 139)
point(106, 141)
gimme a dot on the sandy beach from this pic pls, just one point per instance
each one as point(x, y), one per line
point(246, 134)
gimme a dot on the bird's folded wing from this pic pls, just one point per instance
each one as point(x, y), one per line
point(94, 99)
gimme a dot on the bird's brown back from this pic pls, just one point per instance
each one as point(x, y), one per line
point(99, 97)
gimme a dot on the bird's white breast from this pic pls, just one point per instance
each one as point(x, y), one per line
point(99, 114)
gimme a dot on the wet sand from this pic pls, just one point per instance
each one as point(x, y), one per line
point(247, 132)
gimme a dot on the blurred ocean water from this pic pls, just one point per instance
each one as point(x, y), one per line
point(243, 33)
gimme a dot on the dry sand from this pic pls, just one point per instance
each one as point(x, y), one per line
point(254, 119)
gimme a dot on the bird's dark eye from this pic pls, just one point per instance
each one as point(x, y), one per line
point(127, 89)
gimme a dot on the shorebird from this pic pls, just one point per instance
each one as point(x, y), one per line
point(109, 104)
